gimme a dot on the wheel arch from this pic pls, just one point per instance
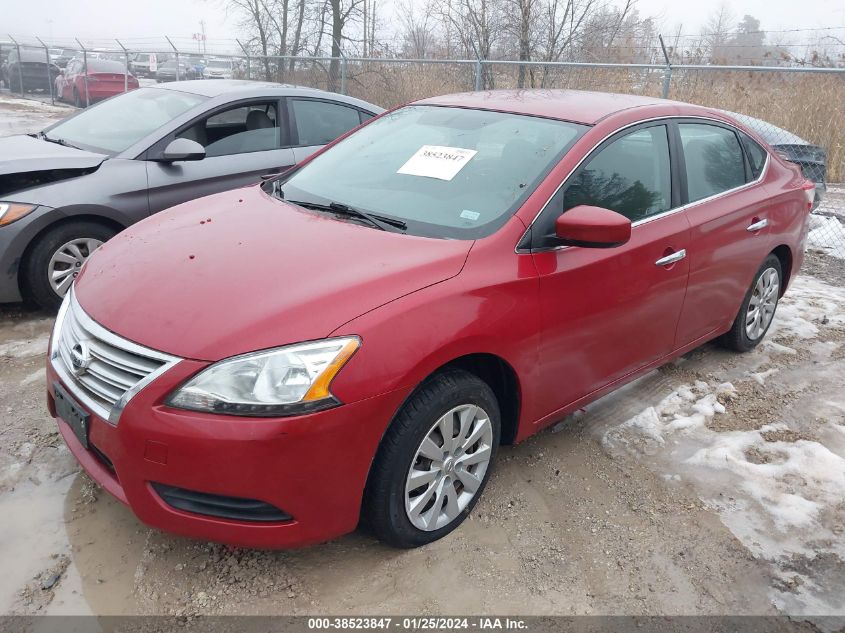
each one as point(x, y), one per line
point(784, 255)
point(85, 216)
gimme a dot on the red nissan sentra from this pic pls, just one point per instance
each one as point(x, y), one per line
point(353, 341)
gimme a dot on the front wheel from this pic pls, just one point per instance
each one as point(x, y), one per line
point(57, 258)
point(758, 308)
point(434, 460)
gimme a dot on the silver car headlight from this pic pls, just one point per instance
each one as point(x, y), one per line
point(288, 380)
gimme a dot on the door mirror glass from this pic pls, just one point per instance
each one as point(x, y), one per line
point(182, 149)
point(592, 227)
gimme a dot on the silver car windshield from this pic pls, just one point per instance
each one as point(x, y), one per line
point(445, 172)
point(118, 123)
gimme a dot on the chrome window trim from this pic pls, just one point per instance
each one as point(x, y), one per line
point(657, 216)
point(112, 416)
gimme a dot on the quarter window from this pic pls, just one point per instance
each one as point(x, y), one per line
point(320, 122)
point(713, 160)
point(630, 176)
point(756, 156)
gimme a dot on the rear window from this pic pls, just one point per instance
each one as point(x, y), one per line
point(105, 66)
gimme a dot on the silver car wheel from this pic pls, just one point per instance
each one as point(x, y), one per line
point(448, 467)
point(761, 307)
point(67, 260)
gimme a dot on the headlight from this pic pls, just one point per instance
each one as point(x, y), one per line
point(11, 211)
point(284, 381)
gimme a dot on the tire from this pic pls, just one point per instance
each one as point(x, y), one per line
point(742, 337)
point(35, 272)
point(455, 392)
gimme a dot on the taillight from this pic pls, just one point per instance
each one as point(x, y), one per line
point(809, 188)
point(90, 78)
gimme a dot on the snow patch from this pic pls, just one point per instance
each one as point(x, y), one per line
point(828, 235)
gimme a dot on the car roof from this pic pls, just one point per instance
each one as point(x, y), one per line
point(246, 89)
point(578, 106)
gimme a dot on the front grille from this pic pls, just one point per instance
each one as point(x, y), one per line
point(100, 368)
point(234, 508)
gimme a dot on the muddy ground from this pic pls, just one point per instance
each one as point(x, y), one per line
point(711, 486)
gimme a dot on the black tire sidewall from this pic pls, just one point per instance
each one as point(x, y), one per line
point(34, 282)
point(743, 339)
point(426, 411)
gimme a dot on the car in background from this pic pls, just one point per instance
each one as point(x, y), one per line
point(219, 69)
point(196, 64)
point(69, 188)
point(352, 342)
point(168, 71)
point(64, 56)
point(27, 70)
point(100, 79)
point(146, 64)
point(811, 158)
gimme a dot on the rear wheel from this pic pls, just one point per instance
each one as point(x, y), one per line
point(57, 258)
point(434, 460)
point(758, 308)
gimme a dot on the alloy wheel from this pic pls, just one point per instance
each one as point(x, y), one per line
point(66, 262)
point(761, 307)
point(448, 467)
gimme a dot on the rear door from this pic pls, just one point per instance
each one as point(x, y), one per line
point(728, 214)
point(316, 122)
point(243, 142)
point(607, 312)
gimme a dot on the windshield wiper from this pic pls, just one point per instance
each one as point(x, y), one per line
point(58, 141)
point(377, 221)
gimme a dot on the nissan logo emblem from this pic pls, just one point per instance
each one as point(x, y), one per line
point(80, 357)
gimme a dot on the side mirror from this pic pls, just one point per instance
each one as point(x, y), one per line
point(592, 227)
point(182, 149)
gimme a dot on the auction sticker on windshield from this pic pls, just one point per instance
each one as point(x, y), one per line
point(437, 161)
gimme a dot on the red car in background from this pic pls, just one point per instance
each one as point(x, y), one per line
point(102, 78)
point(355, 339)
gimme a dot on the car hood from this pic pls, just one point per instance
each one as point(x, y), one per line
point(241, 271)
point(23, 153)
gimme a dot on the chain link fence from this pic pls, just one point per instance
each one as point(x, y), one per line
point(800, 111)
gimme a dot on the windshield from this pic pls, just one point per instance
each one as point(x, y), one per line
point(114, 125)
point(218, 63)
point(446, 172)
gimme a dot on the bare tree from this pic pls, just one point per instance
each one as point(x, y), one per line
point(418, 30)
point(256, 19)
point(717, 31)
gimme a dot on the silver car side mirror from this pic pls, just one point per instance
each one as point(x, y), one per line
point(182, 149)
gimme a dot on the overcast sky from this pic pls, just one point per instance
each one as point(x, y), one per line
point(103, 19)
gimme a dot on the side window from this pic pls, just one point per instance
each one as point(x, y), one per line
point(365, 116)
point(630, 176)
point(239, 130)
point(713, 160)
point(320, 122)
point(756, 156)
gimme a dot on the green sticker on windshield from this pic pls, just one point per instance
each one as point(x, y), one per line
point(466, 214)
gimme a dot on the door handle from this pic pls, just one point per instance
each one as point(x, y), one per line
point(758, 226)
point(671, 259)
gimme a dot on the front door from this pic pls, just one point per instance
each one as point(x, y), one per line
point(607, 312)
point(242, 144)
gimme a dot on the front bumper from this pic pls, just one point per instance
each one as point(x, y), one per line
point(313, 467)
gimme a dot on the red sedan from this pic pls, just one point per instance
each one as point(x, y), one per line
point(354, 340)
point(100, 79)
